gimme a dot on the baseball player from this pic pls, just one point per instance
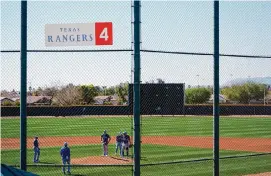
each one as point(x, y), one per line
point(125, 143)
point(36, 150)
point(118, 142)
point(66, 157)
point(105, 139)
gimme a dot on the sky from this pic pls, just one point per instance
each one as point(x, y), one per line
point(185, 26)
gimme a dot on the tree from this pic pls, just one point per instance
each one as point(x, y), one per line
point(88, 92)
point(49, 91)
point(17, 103)
point(38, 92)
point(68, 95)
point(122, 91)
point(160, 81)
point(7, 103)
point(245, 92)
point(197, 95)
point(110, 91)
point(99, 90)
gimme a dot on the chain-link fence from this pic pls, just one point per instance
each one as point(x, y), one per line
point(74, 93)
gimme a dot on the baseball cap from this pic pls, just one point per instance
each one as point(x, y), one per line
point(65, 144)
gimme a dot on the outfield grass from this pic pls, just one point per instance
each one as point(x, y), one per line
point(165, 126)
point(151, 126)
point(230, 167)
point(150, 154)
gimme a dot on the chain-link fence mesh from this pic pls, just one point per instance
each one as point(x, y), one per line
point(75, 93)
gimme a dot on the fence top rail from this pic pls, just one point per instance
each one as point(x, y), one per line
point(60, 51)
point(142, 50)
point(204, 54)
point(99, 106)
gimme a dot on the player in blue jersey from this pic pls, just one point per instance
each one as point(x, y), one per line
point(105, 139)
point(126, 141)
point(36, 150)
point(118, 142)
point(66, 157)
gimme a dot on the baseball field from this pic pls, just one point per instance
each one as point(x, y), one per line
point(170, 145)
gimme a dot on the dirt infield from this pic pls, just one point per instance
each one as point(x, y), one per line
point(261, 174)
point(226, 143)
point(238, 144)
point(101, 160)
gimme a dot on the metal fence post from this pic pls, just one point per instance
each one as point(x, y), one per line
point(23, 90)
point(137, 137)
point(216, 88)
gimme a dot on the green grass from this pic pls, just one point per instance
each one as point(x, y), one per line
point(150, 154)
point(151, 126)
point(165, 126)
point(230, 167)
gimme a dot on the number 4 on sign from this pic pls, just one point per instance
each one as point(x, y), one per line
point(103, 33)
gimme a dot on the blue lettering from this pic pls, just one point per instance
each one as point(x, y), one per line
point(90, 36)
point(71, 38)
point(84, 36)
point(61, 29)
point(78, 38)
point(65, 38)
point(58, 39)
point(50, 38)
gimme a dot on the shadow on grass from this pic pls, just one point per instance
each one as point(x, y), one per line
point(42, 162)
point(121, 159)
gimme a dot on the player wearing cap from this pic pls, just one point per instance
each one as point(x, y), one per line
point(125, 143)
point(66, 157)
point(105, 139)
point(36, 150)
point(118, 142)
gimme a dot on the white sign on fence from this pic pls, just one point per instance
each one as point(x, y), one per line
point(78, 34)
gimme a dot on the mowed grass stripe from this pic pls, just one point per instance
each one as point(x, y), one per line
point(84, 171)
point(230, 167)
point(150, 153)
point(153, 126)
